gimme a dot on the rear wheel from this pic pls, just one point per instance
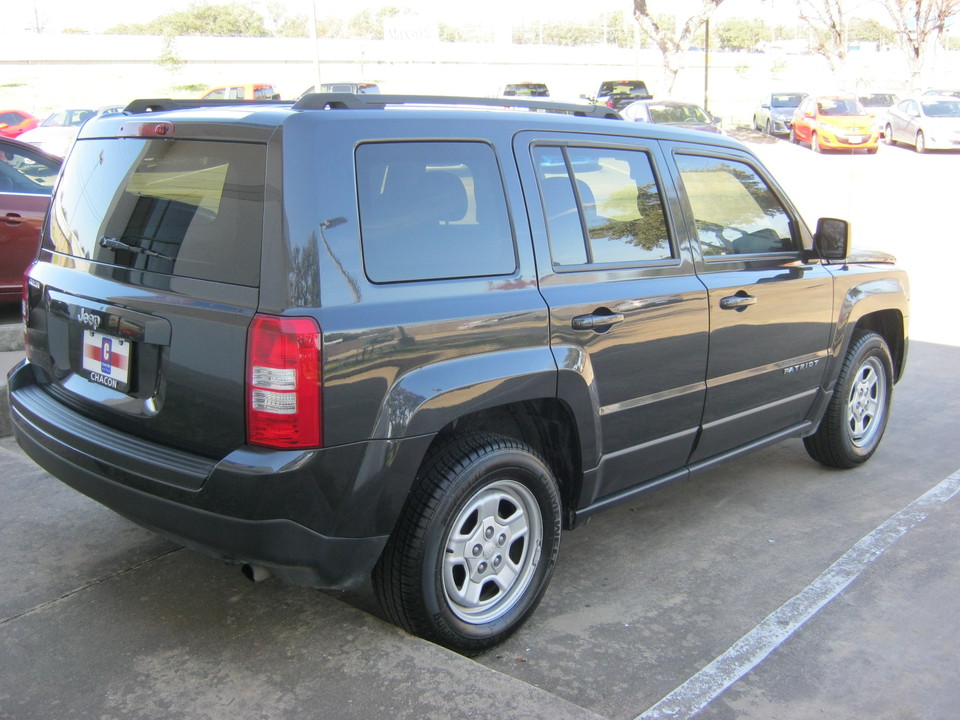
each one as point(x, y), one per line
point(888, 135)
point(851, 429)
point(475, 548)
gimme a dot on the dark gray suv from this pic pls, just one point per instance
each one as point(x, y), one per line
point(418, 337)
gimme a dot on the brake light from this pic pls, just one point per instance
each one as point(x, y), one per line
point(283, 382)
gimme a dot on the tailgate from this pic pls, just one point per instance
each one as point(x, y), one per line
point(147, 281)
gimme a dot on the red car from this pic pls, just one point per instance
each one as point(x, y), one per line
point(27, 176)
point(14, 122)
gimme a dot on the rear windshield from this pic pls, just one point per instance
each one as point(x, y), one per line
point(177, 207)
point(625, 87)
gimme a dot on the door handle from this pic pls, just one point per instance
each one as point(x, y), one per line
point(13, 219)
point(737, 302)
point(596, 321)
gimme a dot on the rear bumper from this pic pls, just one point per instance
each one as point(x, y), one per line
point(315, 518)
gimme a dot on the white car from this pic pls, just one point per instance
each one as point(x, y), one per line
point(56, 134)
point(928, 122)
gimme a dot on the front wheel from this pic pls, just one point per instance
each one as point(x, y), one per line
point(851, 429)
point(815, 143)
point(920, 143)
point(888, 135)
point(476, 545)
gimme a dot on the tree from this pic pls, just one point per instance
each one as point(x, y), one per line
point(739, 34)
point(830, 30)
point(918, 26)
point(871, 31)
point(203, 19)
point(671, 43)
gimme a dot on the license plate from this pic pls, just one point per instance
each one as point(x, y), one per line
point(856, 139)
point(106, 360)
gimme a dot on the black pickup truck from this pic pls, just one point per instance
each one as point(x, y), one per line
point(419, 338)
point(617, 94)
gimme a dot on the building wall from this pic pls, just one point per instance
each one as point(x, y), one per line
point(41, 72)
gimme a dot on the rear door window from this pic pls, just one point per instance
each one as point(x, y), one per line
point(603, 206)
point(432, 210)
point(185, 208)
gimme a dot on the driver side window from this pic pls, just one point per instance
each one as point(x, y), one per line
point(735, 210)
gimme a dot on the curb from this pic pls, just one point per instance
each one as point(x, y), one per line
point(11, 340)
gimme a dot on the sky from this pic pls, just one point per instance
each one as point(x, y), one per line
point(98, 15)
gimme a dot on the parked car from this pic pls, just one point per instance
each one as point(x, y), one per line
point(56, 134)
point(242, 91)
point(463, 332)
point(524, 89)
point(619, 93)
point(15, 122)
point(834, 122)
point(352, 88)
point(948, 93)
point(774, 114)
point(27, 175)
point(877, 104)
point(671, 112)
point(928, 122)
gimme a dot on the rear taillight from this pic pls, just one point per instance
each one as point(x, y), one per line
point(283, 382)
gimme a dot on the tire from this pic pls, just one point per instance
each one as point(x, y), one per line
point(769, 128)
point(921, 142)
point(815, 143)
point(873, 150)
point(793, 136)
point(475, 546)
point(888, 135)
point(856, 417)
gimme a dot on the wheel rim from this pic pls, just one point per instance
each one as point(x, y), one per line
point(867, 403)
point(921, 142)
point(492, 551)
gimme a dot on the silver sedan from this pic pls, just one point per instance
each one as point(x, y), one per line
point(928, 122)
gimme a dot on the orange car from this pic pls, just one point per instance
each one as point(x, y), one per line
point(834, 122)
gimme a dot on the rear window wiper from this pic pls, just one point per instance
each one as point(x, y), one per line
point(115, 244)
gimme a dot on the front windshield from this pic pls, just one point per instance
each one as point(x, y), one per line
point(68, 118)
point(878, 100)
point(676, 114)
point(942, 108)
point(840, 106)
point(786, 100)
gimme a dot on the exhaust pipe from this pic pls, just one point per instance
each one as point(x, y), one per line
point(255, 573)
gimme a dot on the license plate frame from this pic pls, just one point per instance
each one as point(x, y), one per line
point(107, 360)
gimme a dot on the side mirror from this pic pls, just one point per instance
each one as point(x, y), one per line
point(832, 239)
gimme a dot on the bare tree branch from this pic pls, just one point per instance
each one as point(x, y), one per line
point(919, 25)
point(672, 43)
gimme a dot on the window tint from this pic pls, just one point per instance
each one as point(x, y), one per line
point(602, 205)
point(432, 210)
point(186, 208)
point(736, 212)
point(23, 171)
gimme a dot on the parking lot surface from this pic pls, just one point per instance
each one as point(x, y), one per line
point(770, 587)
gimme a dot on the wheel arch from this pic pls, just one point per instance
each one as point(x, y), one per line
point(547, 425)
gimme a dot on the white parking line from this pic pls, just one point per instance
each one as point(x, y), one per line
point(750, 650)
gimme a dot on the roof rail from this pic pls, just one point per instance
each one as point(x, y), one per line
point(348, 101)
point(148, 105)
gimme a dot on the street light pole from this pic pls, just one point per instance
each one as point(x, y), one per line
point(706, 67)
point(316, 48)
